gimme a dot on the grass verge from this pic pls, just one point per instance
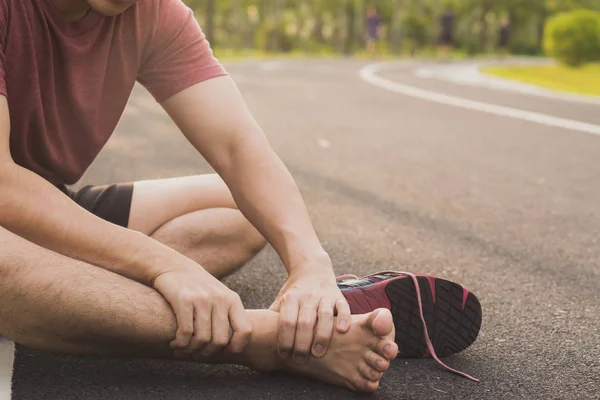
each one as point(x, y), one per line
point(584, 80)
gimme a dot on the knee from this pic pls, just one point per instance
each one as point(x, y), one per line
point(209, 229)
point(252, 238)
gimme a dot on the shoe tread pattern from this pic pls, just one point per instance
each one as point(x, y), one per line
point(451, 329)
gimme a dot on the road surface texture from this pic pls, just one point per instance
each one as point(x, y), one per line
point(507, 207)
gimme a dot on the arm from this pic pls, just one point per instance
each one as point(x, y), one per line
point(215, 119)
point(39, 212)
point(25, 202)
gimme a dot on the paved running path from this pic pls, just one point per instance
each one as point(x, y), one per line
point(506, 207)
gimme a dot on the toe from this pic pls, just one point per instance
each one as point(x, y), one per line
point(387, 349)
point(369, 373)
point(370, 386)
point(376, 361)
point(383, 323)
point(380, 322)
point(361, 384)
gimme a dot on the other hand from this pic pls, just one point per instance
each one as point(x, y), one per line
point(307, 306)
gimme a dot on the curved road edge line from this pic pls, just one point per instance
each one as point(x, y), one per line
point(369, 74)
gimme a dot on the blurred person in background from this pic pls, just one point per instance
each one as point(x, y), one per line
point(373, 30)
point(446, 37)
point(503, 36)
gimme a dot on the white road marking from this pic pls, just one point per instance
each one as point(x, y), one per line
point(7, 353)
point(369, 74)
point(470, 74)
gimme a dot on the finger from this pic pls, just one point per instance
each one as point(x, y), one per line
point(241, 326)
point(220, 330)
point(307, 319)
point(344, 317)
point(202, 327)
point(377, 362)
point(184, 314)
point(324, 329)
point(288, 319)
point(276, 305)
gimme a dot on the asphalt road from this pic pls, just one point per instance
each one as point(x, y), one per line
point(506, 207)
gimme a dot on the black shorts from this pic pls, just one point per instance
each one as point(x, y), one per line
point(109, 202)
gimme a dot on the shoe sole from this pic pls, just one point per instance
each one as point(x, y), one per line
point(452, 313)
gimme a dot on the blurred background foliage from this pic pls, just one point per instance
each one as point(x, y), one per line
point(408, 26)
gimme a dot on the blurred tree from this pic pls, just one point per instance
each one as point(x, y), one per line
point(339, 25)
point(350, 21)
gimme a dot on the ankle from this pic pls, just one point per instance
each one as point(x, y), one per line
point(261, 352)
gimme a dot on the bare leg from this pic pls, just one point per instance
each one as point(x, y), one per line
point(54, 303)
point(197, 216)
point(57, 304)
point(219, 239)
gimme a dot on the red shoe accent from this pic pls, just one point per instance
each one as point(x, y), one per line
point(363, 301)
point(465, 296)
point(431, 280)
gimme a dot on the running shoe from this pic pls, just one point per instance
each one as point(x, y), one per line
point(438, 319)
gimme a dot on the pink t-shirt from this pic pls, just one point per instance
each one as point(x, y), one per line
point(67, 83)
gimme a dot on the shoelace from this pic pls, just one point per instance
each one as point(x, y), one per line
point(427, 340)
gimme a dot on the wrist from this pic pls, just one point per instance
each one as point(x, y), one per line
point(150, 259)
point(315, 262)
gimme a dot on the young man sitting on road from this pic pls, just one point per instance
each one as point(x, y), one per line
point(134, 269)
point(76, 283)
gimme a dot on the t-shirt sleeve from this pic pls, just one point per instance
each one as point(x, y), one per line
point(178, 54)
point(3, 28)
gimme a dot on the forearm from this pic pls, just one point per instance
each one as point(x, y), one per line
point(214, 117)
point(39, 212)
point(268, 196)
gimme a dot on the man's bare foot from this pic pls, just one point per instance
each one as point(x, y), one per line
point(358, 358)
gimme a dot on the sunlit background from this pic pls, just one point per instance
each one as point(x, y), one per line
point(337, 26)
point(475, 159)
point(563, 29)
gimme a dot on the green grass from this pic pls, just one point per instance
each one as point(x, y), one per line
point(584, 80)
point(230, 55)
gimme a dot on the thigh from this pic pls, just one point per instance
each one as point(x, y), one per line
point(155, 202)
